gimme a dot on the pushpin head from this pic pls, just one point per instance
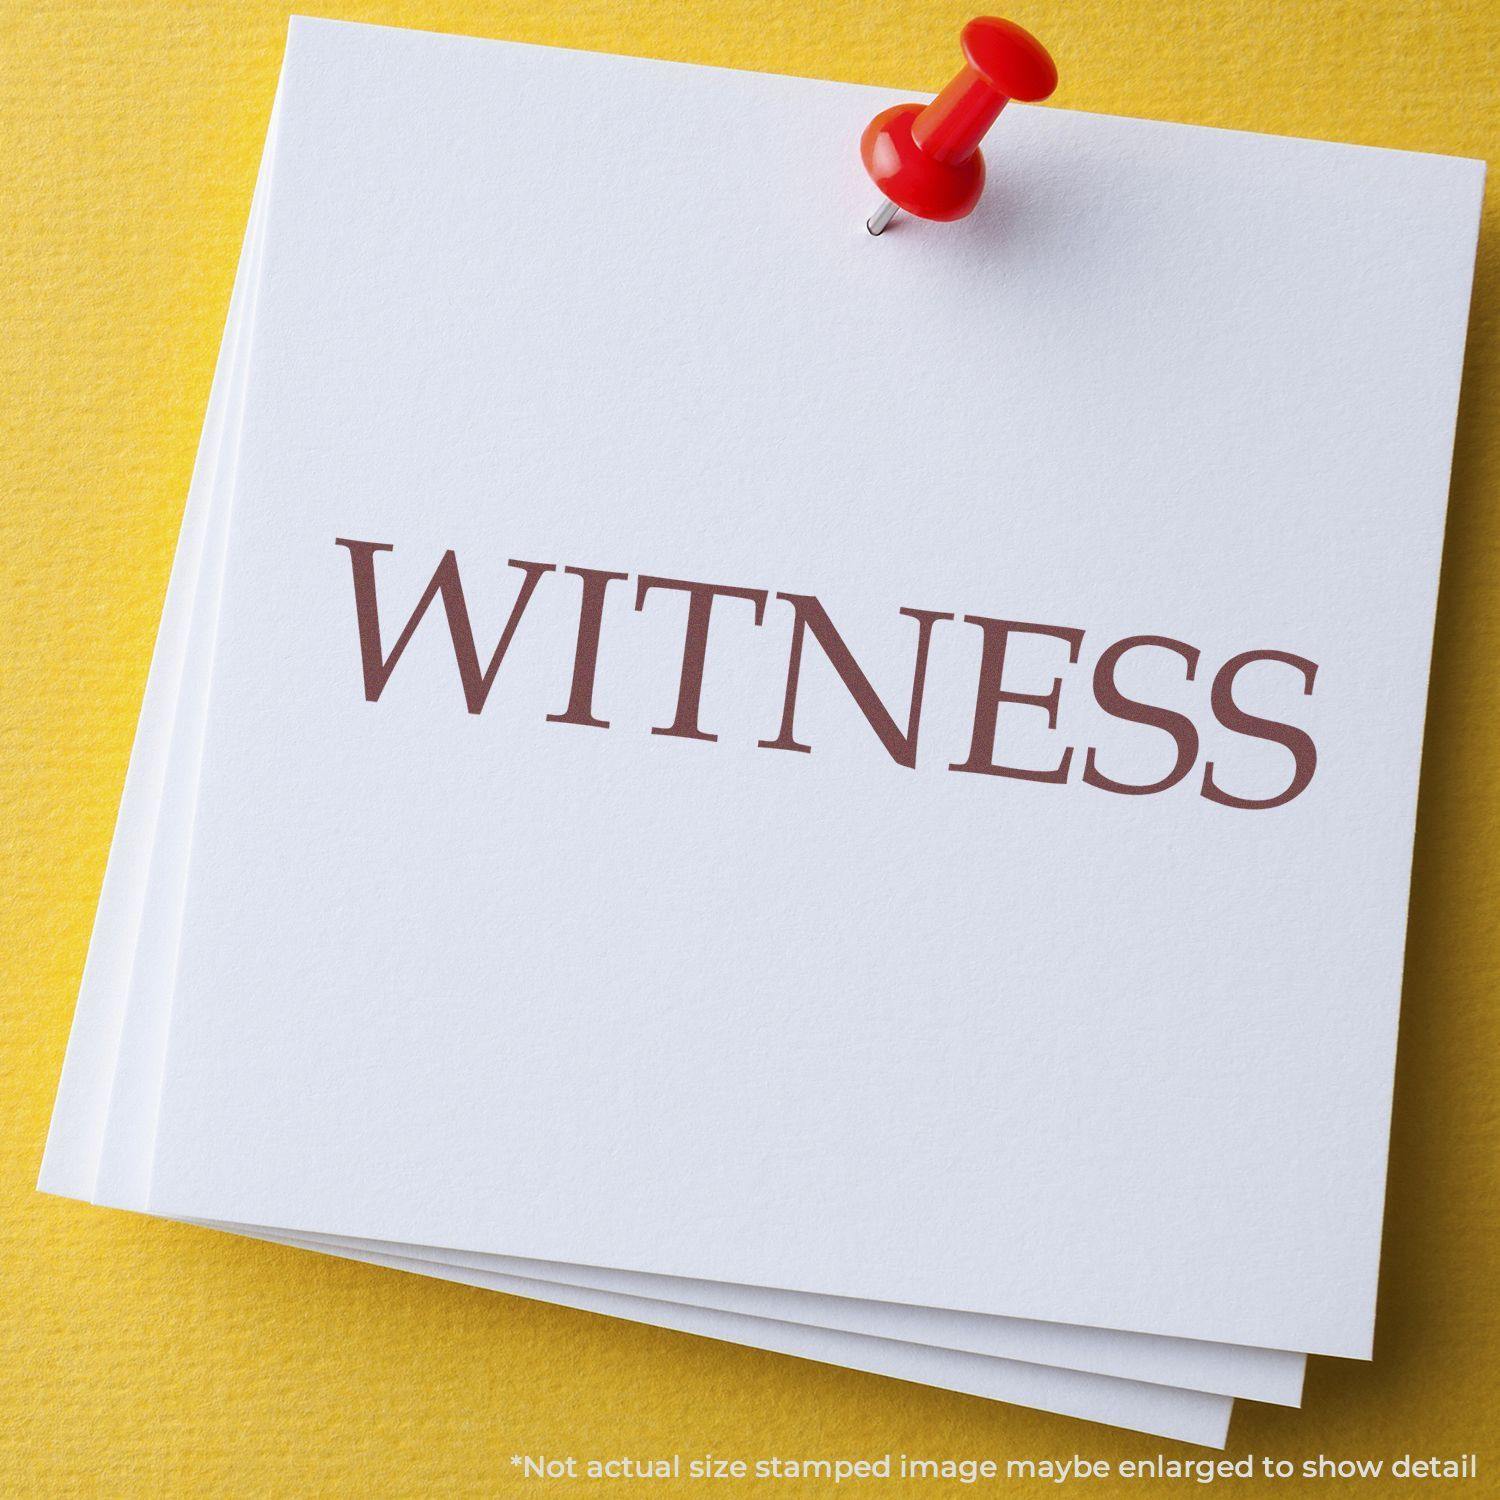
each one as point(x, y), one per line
point(926, 159)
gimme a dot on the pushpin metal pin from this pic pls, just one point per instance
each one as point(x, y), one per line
point(927, 159)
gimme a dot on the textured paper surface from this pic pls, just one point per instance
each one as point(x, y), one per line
point(1237, 434)
point(132, 134)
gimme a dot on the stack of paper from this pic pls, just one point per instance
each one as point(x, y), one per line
point(852, 796)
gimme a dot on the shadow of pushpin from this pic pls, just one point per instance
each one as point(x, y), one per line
point(926, 159)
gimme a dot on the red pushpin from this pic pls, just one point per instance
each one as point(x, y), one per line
point(926, 160)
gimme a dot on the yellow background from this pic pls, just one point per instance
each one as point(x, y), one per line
point(145, 1358)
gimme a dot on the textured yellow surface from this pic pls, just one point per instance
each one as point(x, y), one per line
point(145, 1358)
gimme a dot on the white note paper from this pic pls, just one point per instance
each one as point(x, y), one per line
point(820, 1021)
